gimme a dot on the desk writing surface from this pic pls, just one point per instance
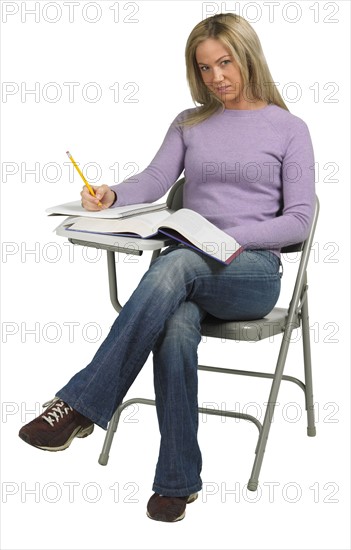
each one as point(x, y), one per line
point(111, 242)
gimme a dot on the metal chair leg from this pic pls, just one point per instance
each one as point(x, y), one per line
point(113, 424)
point(262, 441)
point(311, 427)
point(112, 427)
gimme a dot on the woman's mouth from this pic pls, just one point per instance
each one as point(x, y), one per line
point(222, 89)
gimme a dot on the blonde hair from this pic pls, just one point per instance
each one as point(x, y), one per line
point(237, 35)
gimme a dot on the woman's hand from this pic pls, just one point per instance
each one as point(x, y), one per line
point(103, 195)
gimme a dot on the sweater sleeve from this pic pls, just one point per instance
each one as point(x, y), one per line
point(293, 222)
point(157, 178)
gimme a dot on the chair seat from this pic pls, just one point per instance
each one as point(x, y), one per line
point(258, 329)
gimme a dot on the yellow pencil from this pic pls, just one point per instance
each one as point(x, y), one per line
point(91, 190)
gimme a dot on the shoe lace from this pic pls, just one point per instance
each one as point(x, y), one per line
point(57, 410)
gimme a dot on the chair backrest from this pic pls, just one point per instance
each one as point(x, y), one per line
point(175, 195)
point(301, 277)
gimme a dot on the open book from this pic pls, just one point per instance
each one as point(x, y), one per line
point(184, 225)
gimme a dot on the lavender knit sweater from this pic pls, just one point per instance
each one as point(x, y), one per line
point(249, 172)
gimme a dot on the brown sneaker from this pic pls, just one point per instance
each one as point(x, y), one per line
point(162, 508)
point(56, 427)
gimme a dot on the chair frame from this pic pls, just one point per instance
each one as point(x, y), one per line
point(279, 321)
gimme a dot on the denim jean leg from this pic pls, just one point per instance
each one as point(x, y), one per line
point(175, 377)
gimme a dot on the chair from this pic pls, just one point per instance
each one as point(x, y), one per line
point(280, 321)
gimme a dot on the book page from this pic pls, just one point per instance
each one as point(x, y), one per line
point(200, 232)
point(196, 228)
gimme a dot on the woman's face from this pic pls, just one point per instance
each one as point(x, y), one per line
point(221, 73)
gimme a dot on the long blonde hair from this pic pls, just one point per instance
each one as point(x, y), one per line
point(237, 35)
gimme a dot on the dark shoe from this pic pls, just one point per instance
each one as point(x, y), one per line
point(162, 508)
point(56, 427)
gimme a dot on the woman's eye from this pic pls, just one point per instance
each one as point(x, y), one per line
point(203, 68)
point(225, 61)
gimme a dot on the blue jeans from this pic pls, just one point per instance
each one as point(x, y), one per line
point(164, 315)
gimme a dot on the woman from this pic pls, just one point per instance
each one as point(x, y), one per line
point(248, 168)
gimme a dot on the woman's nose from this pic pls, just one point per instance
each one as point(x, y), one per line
point(217, 75)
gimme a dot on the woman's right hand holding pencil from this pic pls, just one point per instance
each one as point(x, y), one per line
point(104, 198)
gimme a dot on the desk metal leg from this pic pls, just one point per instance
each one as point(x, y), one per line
point(112, 277)
point(112, 280)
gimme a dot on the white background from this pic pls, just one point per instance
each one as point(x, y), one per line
point(55, 303)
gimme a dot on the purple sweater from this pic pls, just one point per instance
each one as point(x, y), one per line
point(249, 172)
